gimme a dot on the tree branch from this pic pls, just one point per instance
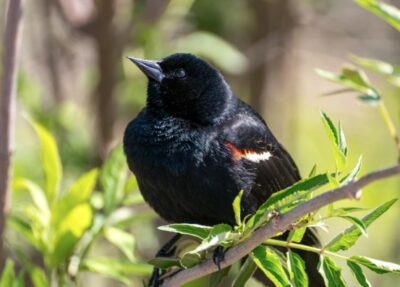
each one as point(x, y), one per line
point(7, 107)
point(280, 224)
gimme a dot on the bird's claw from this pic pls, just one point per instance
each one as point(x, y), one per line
point(218, 256)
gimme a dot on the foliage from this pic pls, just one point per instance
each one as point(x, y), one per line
point(63, 225)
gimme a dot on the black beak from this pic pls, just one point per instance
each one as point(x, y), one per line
point(150, 68)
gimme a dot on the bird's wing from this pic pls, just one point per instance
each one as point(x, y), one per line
point(252, 144)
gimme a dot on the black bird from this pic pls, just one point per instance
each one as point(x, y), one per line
point(195, 146)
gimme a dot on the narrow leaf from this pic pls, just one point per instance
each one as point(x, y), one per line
point(354, 172)
point(349, 237)
point(245, 273)
point(357, 222)
point(122, 240)
point(296, 235)
point(196, 230)
point(269, 262)
point(297, 271)
point(236, 208)
point(331, 273)
point(8, 276)
point(387, 12)
point(359, 274)
point(377, 266)
point(50, 160)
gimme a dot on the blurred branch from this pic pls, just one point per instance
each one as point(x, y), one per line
point(7, 107)
point(279, 224)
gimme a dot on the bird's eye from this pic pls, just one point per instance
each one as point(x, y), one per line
point(180, 73)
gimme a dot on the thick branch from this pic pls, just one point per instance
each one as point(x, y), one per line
point(7, 106)
point(279, 224)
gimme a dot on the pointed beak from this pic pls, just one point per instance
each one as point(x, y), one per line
point(150, 68)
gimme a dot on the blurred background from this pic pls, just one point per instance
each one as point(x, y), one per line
point(75, 79)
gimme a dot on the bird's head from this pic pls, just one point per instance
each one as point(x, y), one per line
point(185, 86)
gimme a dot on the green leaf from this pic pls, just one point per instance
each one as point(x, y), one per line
point(357, 222)
point(330, 272)
point(165, 262)
point(112, 178)
point(37, 194)
point(50, 160)
point(300, 188)
point(116, 268)
point(313, 171)
point(196, 230)
point(39, 278)
point(354, 172)
point(8, 276)
point(190, 259)
point(359, 274)
point(245, 273)
point(337, 139)
point(269, 262)
point(223, 54)
point(296, 235)
point(352, 78)
point(79, 192)
point(377, 266)
point(220, 235)
point(387, 12)
point(297, 270)
point(381, 67)
point(122, 240)
point(236, 208)
point(346, 210)
point(349, 237)
point(75, 223)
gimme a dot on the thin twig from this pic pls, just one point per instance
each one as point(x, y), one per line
point(280, 224)
point(7, 107)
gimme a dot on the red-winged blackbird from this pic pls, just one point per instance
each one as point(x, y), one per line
point(195, 146)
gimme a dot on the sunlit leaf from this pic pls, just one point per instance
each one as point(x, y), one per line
point(39, 278)
point(296, 235)
point(75, 223)
point(116, 268)
point(297, 271)
point(79, 192)
point(357, 222)
point(269, 262)
point(331, 273)
point(50, 160)
point(338, 142)
point(387, 12)
point(354, 172)
point(377, 266)
point(358, 274)
point(378, 66)
point(8, 276)
point(349, 237)
point(196, 230)
point(112, 178)
point(122, 240)
point(37, 194)
point(236, 208)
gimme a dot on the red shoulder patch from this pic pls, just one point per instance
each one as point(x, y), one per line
point(237, 153)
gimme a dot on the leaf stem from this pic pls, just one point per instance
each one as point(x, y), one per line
point(390, 125)
point(299, 246)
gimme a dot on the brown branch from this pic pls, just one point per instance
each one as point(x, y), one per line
point(279, 224)
point(7, 107)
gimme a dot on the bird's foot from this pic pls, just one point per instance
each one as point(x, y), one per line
point(218, 256)
point(155, 279)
